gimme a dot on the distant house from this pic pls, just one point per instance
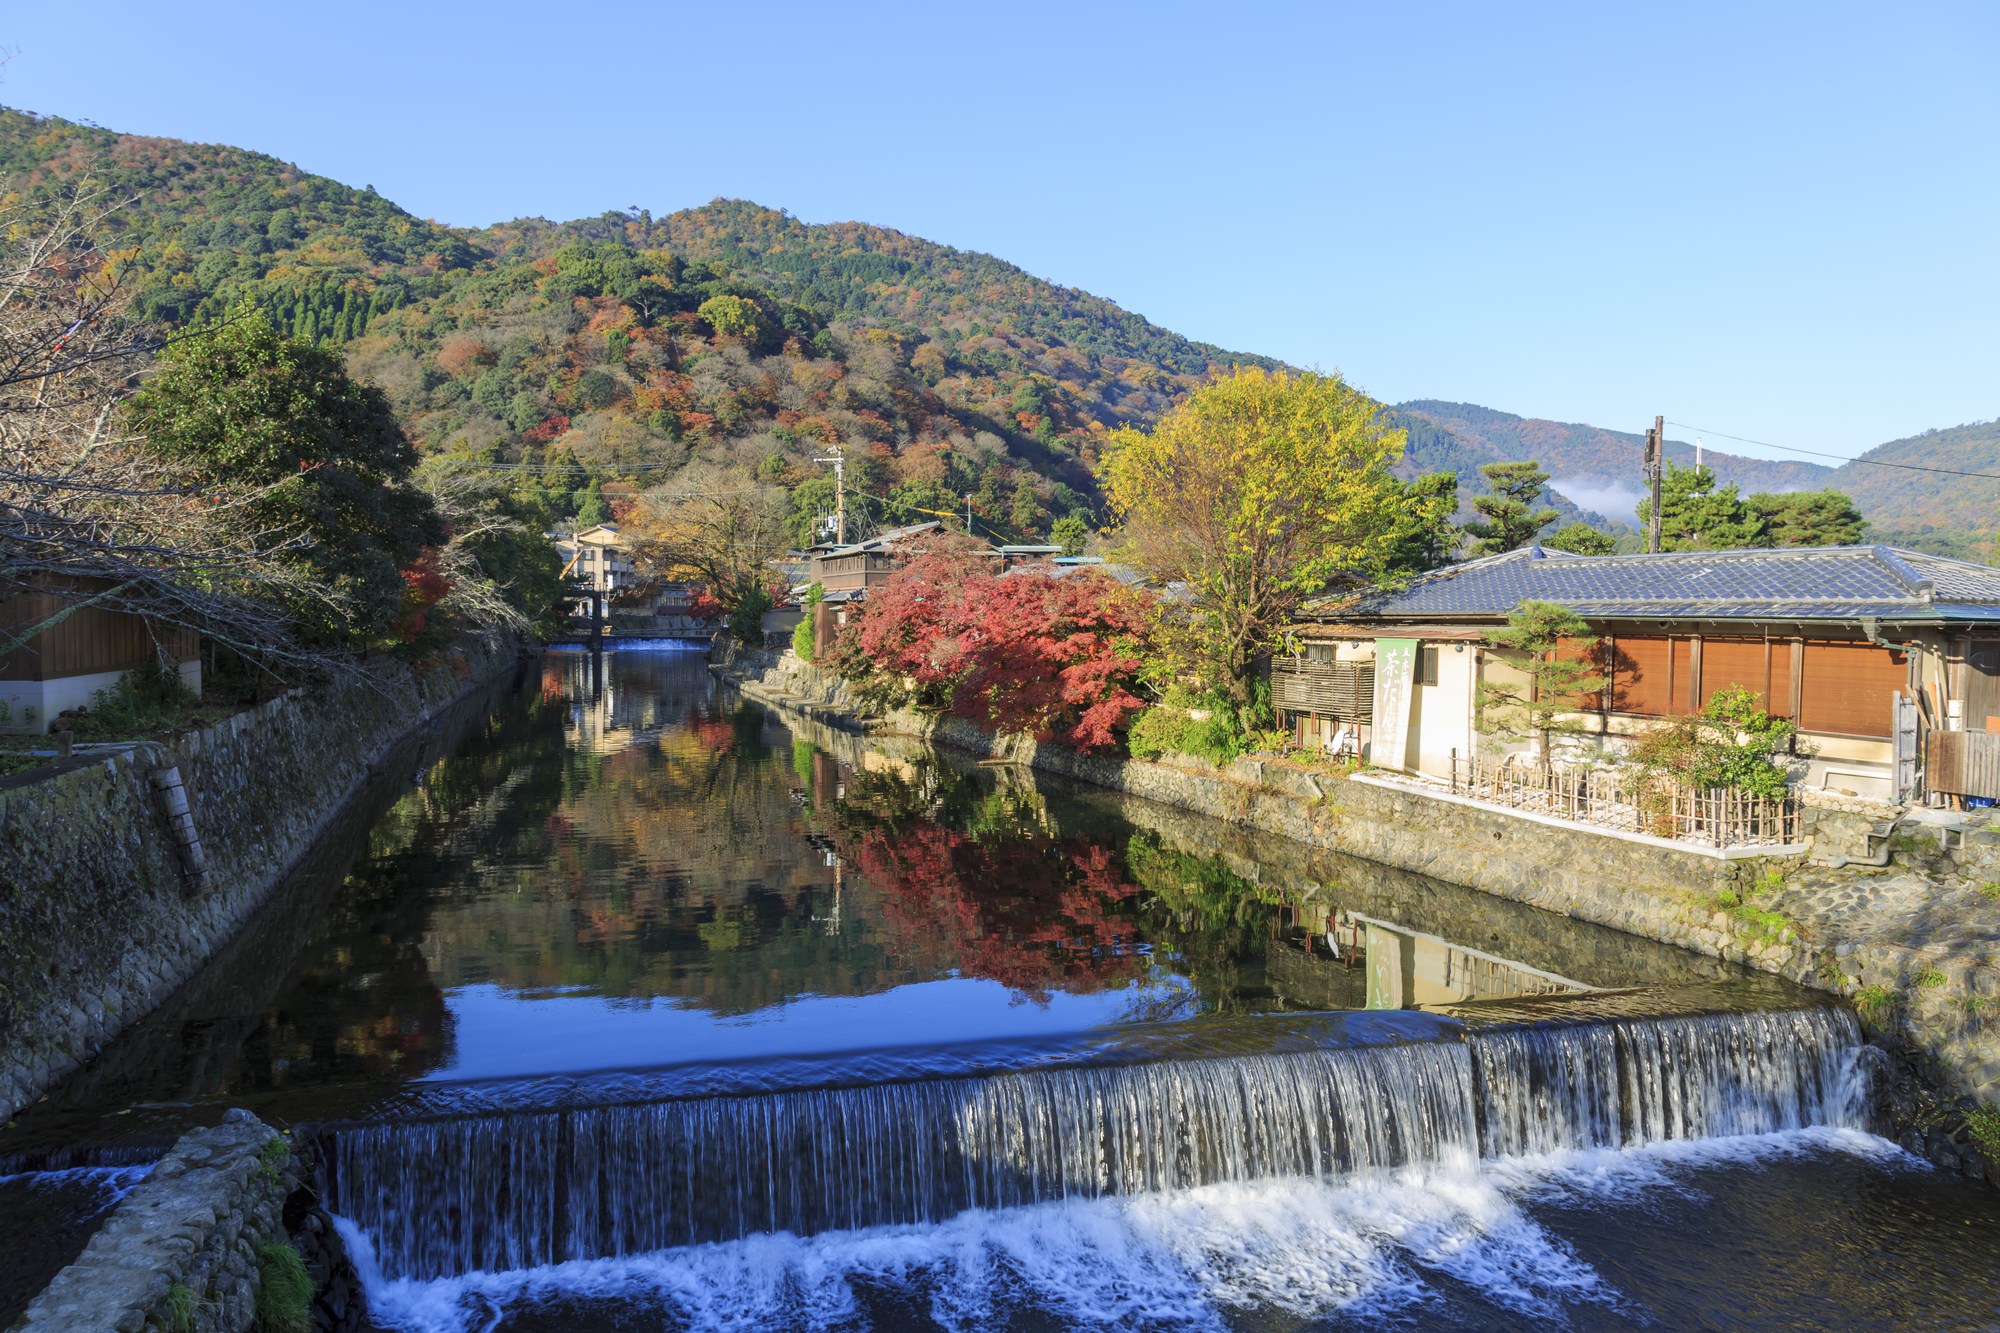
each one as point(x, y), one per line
point(597, 558)
point(846, 573)
point(1885, 658)
point(89, 650)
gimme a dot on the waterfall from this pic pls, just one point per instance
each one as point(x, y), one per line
point(512, 1191)
point(1544, 1088)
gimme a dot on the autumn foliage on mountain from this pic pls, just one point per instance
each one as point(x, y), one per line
point(615, 348)
point(1029, 651)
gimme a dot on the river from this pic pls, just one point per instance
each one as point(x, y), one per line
point(627, 1003)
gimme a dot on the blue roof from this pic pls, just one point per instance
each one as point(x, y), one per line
point(1800, 583)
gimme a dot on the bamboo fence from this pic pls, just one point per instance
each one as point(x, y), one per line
point(1608, 798)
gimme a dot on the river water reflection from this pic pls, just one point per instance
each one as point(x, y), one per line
point(621, 872)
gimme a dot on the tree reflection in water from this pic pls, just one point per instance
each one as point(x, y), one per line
point(982, 882)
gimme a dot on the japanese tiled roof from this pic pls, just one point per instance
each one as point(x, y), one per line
point(1804, 583)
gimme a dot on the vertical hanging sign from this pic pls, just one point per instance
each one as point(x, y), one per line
point(1395, 680)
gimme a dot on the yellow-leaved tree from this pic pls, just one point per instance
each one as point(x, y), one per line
point(1253, 494)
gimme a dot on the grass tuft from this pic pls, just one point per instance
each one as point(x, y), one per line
point(180, 1308)
point(284, 1291)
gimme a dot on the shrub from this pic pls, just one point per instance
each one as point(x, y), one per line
point(1169, 726)
point(802, 633)
point(1985, 1122)
point(1874, 1000)
point(1728, 744)
point(1930, 978)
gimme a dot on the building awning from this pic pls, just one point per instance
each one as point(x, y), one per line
point(1315, 632)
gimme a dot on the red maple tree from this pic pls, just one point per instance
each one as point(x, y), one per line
point(1034, 650)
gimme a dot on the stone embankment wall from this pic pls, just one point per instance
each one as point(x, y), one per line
point(181, 1252)
point(1939, 964)
point(100, 918)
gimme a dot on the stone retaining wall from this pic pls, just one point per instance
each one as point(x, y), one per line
point(180, 1253)
point(99, 919)
point(1640, 886)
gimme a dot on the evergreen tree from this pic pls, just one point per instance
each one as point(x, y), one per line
point(1695, 516)
point(1070, 532)
point(244, 403)
point(1508, 519)
point(1026, 515)
point(1426, 538)
point(593, 510)
point(1553, 648)
point(1808, 518)
point(1580, 539)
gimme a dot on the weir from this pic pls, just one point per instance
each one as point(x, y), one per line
point(505, 1192)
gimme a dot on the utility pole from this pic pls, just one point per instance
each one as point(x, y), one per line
point(839, 462)
point(1656, 453)
point(968, 513)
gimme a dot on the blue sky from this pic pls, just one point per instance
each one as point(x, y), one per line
point(1776, 221)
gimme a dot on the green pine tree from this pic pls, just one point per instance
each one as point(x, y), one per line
point(1808, 518)
point(1580, 539)
point(1552, 648)
point(1507, 518)
point(1695, 516)
point(593, 510)
point(1026, 515)
point(1071, 531)
point(1425, 536)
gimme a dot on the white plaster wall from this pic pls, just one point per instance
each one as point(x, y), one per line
point(1443, 714)
point(33, 704)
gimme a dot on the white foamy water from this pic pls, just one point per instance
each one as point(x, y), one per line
point(1364, 1246)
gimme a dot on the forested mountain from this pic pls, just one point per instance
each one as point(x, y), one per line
point(1432, 447)
point(1949, 514)
point(624, 343)
point(1895, 498)
point(1599, 463)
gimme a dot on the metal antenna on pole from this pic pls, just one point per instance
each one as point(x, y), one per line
point(839, 497)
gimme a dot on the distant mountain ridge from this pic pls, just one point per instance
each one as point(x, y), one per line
point(1602, 468)
point(1598, 467)
point(1895, 498)
point(988, 359)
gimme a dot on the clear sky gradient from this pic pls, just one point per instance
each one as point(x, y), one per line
point(1773, 220)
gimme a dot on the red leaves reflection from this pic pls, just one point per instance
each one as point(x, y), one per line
point(1034, 914)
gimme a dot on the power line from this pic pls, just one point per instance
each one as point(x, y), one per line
point(1871, 462)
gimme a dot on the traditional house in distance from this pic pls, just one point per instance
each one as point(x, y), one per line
point(1883, 657)
point(846, 573)
point(597, 558)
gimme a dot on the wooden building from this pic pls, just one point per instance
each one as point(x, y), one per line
point(1872, 651)
point(89, 650)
